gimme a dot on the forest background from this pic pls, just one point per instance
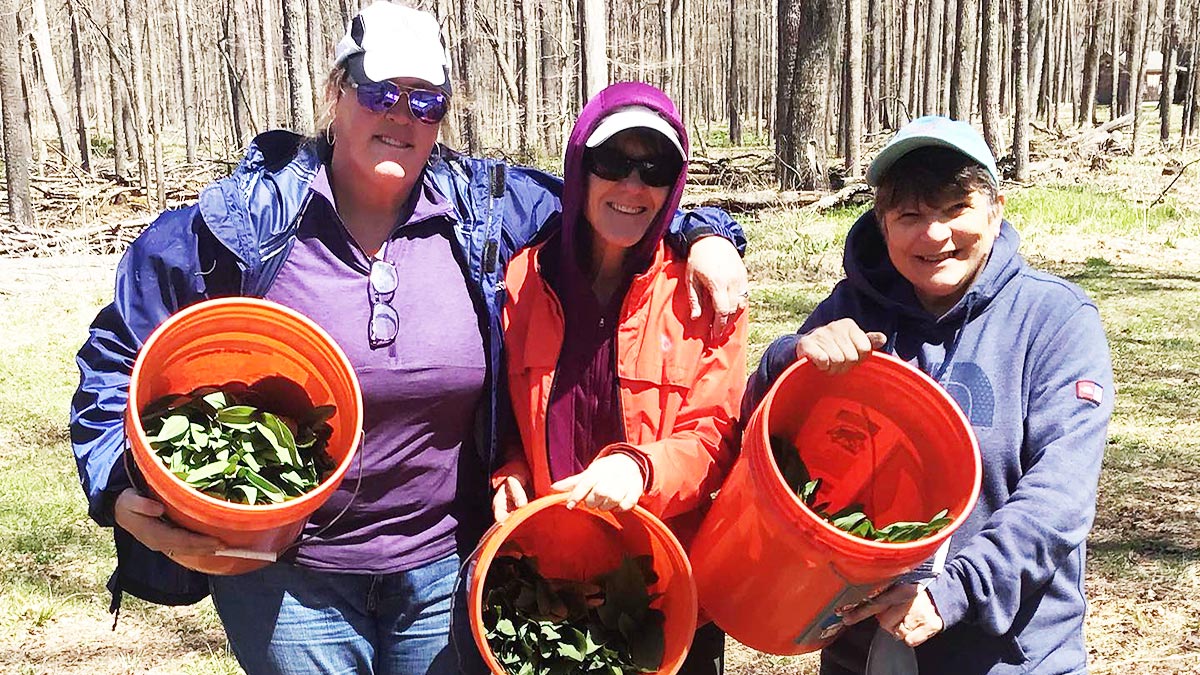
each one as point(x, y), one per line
point(114, 109)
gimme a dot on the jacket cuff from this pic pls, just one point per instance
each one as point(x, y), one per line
point(638, 457)
point(949, 599)
point(103, 504)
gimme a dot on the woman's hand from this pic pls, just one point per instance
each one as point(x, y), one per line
point(715, 271)
point(142, 518)
point(838, 346)
point(905, 611)
point(610, 483)
point(512, 493)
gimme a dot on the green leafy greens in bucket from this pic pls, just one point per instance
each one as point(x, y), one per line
point(540, 626)
point(850, 518)
point(221, 441)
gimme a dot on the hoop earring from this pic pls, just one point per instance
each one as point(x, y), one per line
point(329, 135)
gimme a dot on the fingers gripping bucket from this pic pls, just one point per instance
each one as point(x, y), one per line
point(580, 544)
point(259, 343)
point(769, 571)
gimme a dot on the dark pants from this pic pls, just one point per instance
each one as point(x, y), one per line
point(707, 655)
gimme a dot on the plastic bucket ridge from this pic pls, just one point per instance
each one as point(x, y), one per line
point(769, 571)
point(580, 544)
point(257, 342)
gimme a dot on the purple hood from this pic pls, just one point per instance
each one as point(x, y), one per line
point(608, 101)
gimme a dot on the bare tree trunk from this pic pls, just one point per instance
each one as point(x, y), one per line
point(81, 126)
point(295, 53)
point(18, 145)
point(731, 87)
point(117, 95)
point(806, 42)
point(185, 79)
point(876, 48)
point(907, 104)
point(1136, 54)
point(933, 48)
point(1143, 23)
point(1189, 99)
point(593, 34)
point(1021, 59)
point(1170, 46)
point(228, 48)
point(1091, 68)
point(854, 102)
point(530, 142)
point(1114, 105)
point(467, 57)
point(270, 75)
point(58, 103)
point(155, 119)
point(960, 87)
point(989, 93)
point(317, 53)
point(134, 43)
point(1037, 49)
point(569, 82)
point(949, 16)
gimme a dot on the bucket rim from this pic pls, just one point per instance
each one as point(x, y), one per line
point(889, 364)
point(217, 306)
point(481, 559)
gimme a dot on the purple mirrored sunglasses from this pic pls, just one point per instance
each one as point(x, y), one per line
point(428, 106)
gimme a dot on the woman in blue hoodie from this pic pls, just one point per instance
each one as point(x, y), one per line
point(933, 276)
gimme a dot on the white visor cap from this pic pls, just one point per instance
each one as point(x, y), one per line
point(634, 117)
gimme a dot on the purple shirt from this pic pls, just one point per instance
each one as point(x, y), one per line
point(584, 414)
point(420, 394)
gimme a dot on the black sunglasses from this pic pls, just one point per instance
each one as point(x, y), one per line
point(385, 321)
point(425, 105)
point(612, 164)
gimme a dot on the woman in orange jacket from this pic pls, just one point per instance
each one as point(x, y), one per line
point(621, 393)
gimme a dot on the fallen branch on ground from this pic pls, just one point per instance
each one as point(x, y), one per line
point(1171, 184)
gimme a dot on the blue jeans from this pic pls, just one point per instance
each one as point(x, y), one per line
point(289, 620)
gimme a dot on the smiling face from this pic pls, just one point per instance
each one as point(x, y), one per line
point(380, 148)
point(941, 248)
point(621, 211)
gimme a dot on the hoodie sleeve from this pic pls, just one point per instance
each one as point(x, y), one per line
point(157, 275)
point(1048, 516)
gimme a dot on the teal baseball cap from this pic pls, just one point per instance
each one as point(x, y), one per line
point(934, 131)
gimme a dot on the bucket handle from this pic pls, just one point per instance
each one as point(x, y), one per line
point(354, 495)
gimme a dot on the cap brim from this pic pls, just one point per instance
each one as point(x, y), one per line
point(634, 119)
point(898, 149)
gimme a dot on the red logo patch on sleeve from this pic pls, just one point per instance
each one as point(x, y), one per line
point(1089, 391)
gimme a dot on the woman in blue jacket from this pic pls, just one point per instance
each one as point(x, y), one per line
point(933, 275)
point(396, 247)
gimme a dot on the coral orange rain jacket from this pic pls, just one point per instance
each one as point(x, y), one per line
point(679, 391)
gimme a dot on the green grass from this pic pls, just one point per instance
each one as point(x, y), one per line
point(1079, 209)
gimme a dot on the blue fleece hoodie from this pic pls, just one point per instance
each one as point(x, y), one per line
point(1025, 356)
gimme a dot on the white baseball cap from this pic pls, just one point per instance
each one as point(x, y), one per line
point(387, 40)
point(634, 117)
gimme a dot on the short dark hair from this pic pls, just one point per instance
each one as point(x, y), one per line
point(932, 175)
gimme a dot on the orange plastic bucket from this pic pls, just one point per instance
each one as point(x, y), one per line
point(769, 571)
point(256, 342)
point(580, 544)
